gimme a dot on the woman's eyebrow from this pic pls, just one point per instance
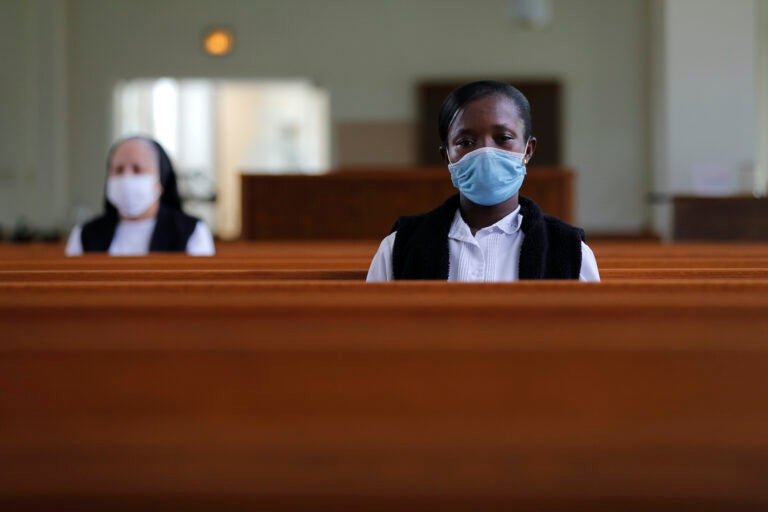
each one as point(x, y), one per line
point(464, 131)
point(504, 127)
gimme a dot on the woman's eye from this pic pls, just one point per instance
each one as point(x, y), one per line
point(464, 143)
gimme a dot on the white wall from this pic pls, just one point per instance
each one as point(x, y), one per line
point(706, 99)
point(653, 87)
point(370, 55)
point(760, 186)
point(12, 119)
point(33, 136)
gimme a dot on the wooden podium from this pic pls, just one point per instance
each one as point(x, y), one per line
point(363, 204)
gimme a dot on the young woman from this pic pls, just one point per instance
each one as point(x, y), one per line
point(142, 208)
point(487, 232)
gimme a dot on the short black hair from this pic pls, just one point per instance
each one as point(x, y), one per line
point(170, 197)
point(467, 93)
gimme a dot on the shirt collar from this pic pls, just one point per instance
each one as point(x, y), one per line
point(508, 224)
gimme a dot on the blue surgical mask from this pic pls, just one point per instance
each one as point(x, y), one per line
point(488, 176)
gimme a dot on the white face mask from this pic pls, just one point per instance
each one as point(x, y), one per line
point(132, 195)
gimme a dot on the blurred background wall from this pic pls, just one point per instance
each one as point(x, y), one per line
point(654, 91)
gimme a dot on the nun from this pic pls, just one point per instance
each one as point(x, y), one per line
point(142, 208)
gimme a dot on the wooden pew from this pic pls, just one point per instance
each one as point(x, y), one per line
point(696, 274)
point(397, 396)
point(169, 289)
point(226, 275)
point(154, 275)
point(350, 260)
point(358, 254)
point(366, 248)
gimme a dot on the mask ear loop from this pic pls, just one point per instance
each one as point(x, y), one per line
point(525, 151)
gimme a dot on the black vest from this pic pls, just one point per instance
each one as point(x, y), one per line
point(551, 248)
point(172, 231)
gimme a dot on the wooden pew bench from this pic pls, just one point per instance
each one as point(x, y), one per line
point(311, 261)
point(150, 275)
point(267, 395)
point(348, 260)
point(226, 275)
point(610, 274)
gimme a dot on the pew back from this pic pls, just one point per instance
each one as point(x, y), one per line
point(249, 384)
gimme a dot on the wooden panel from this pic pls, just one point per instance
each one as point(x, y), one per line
point(348, 396)
point(190, 383)
point(375, 143)
point(184, 275)
point(364, 204)
point(26, 278)
point(341, 259)
point(720, 218)
point(51, 255)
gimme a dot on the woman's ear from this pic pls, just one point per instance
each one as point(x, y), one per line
point(529, 149)
point(444, 155)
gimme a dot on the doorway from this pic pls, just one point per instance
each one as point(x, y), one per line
point(216, 130)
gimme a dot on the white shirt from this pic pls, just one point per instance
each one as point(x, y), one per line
point(492, 255)
point(132, 238)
